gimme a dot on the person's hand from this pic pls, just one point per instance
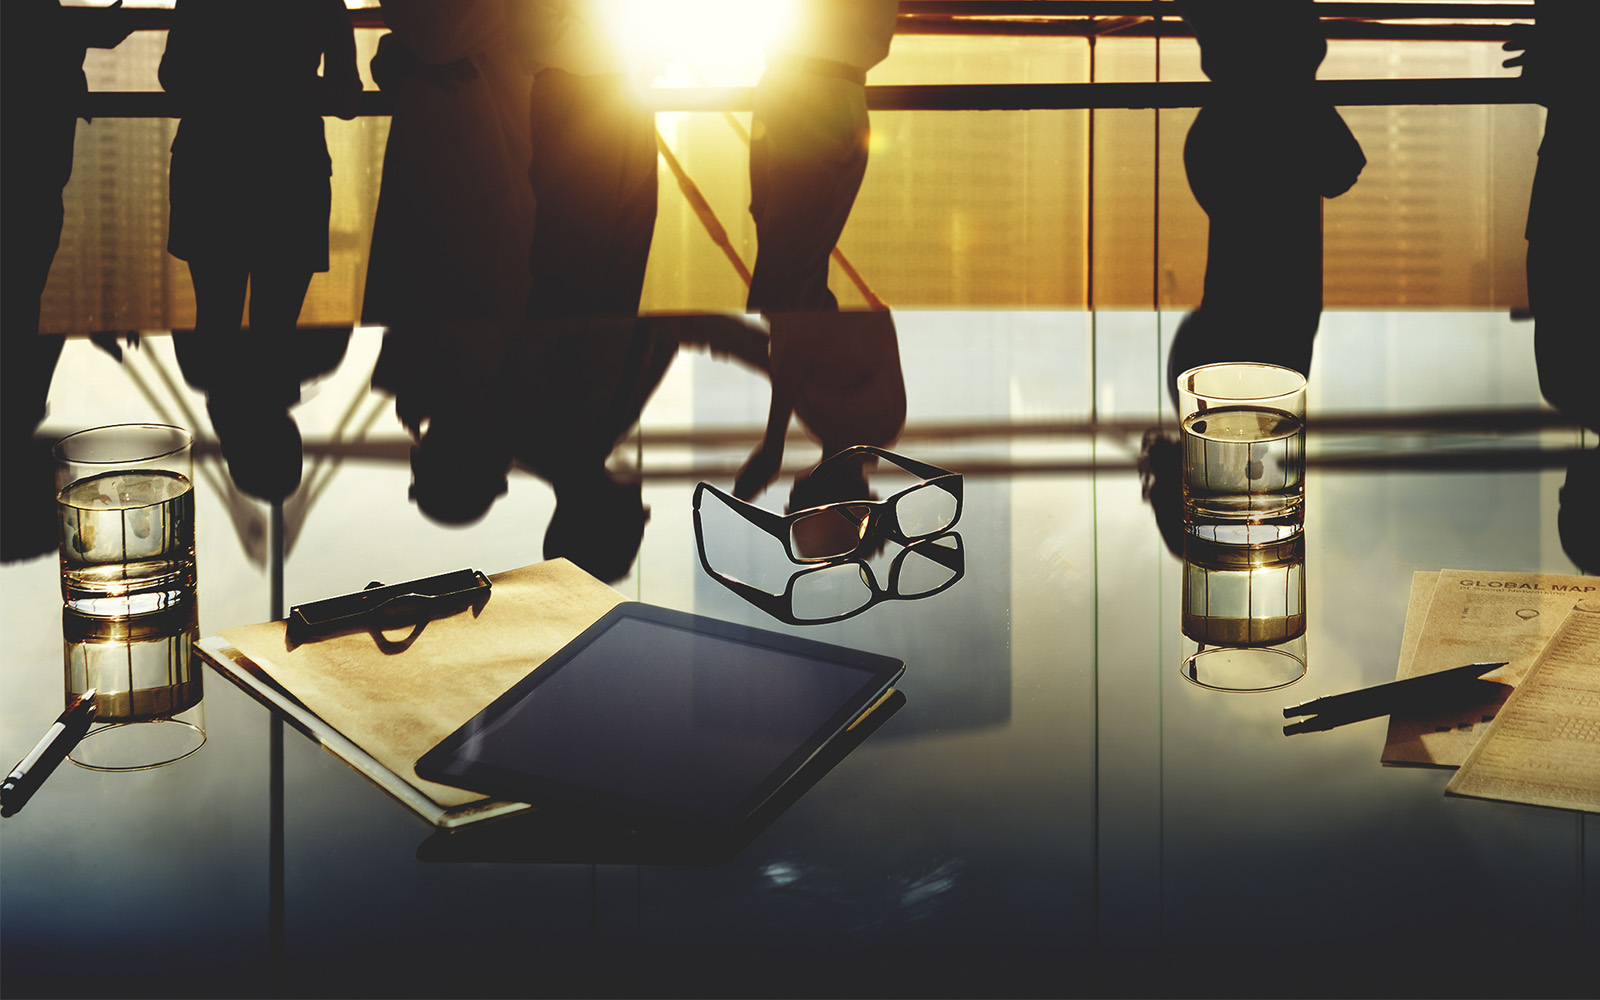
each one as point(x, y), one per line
point(1534, 68)
point(106, 340)
point(1522, 40)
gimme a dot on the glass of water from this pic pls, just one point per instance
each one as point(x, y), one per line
point(1244, 454)
point(125, 506)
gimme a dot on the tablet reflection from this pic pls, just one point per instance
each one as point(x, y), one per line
point(557, 834)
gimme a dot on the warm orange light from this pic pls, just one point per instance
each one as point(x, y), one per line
point(679, 42)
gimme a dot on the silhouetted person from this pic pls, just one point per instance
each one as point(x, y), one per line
point(42, 46)
point(808, 147)
point(840, 374)
point(1260, 158)
point(455, 212)
point(250, 186)
point(42, 93)
point(593, 172)
point(1564, 208)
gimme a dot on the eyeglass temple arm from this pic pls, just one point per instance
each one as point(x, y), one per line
point(762, 518)
point(953, 559)
point(770, 603)
point(911, 465)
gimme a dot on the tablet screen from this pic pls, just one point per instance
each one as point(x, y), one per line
point(662, 719)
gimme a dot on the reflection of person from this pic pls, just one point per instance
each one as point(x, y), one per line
point(593, 171)
point(44, 88)
point(808, 148)
point(250, 187)
point(455, 213)
point(258, 436)
point(554, 396)
point(1564, 207)
point(840, 374)
point(1260, 158)
point(446, 379)
point(580, 386)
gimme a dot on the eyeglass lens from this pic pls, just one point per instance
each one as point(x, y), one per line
point(838, 531)
point(830, 533)
point(926, 510)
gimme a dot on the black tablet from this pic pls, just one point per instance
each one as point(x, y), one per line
point(664, 716)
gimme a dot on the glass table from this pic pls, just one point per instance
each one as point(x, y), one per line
point(1053, 809)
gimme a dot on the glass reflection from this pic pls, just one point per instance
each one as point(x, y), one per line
point(1244, 609)
point(834, 591)
point(148, 690)
point(849, 519)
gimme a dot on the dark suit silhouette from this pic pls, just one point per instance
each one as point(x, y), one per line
point(1260, 158)
point(250, 185)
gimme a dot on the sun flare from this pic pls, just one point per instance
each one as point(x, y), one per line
point(716, 42)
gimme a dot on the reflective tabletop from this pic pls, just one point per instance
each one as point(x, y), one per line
point(1052, 808)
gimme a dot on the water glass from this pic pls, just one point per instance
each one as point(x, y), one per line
point(1244, 457)
point(125, 506)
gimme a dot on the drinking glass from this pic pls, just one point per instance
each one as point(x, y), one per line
point(1244, 456)
point(125, 503)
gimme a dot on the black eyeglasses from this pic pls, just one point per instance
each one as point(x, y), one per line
point(845, 528)
point(844, 588)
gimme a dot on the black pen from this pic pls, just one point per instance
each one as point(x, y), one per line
point(58, 741)
point(1384, 699)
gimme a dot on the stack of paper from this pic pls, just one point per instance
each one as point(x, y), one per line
point(1547, 628)
point(381, 706)
point(1543, 747)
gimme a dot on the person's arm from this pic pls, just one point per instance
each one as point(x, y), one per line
point(341, 80)
point(177, 69)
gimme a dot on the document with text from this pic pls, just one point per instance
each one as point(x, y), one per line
point(1543, 747)
point(1474, 617)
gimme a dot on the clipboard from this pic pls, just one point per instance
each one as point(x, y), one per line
point(255, 681)
point(379, 705)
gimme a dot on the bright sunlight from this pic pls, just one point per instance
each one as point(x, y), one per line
point(686, 42)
